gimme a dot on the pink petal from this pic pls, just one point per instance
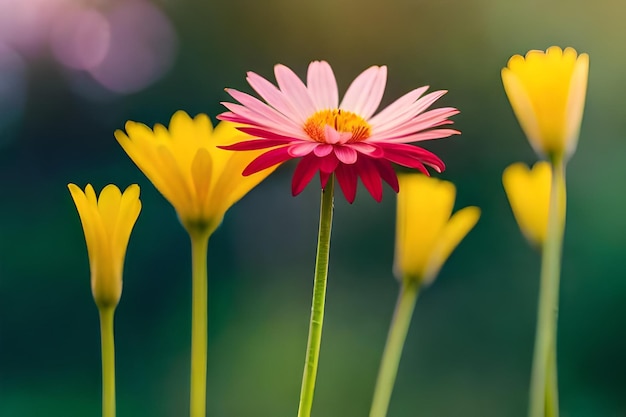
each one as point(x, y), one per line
point(268, 133)
point(329, 164)
point(345, 154)
point(369, 149)
point(246, 116)
point(300, 149)
point(266, 160)
point(334, 137)
point(413, 157)
point(416, 108)
point(305, 170)
point(295, 91)
point(371, 178)
point(251, 145)
point(398, 108)
point(428, 135)
point(347, 179)
point(261, 113)
point(324, 176)
point(387, 173)
point(366, 91)
point(323, 149)
point(322, 85)
point(274, 97)
point(424, 121)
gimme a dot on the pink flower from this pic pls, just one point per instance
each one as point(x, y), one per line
point(308, 122)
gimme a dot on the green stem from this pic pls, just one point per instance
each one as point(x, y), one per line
point(393, 349)
point(547, 314)
point(199, 247)
point(317, 307)
point(108, 361)
point(552, 389)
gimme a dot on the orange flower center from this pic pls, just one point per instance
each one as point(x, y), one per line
point(342, 121)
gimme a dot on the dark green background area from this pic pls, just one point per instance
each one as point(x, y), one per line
point(469, 348)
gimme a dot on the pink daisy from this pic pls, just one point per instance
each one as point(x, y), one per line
point(347, 139)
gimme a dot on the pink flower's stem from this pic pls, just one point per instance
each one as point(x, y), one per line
point(319, 295)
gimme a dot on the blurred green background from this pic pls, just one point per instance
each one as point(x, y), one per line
point(71, 72)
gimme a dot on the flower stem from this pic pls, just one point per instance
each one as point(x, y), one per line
point(319, 295)
point(199, 247)
point(552, 389)
point(393, 348)
point(108, 361)
point(544, 359)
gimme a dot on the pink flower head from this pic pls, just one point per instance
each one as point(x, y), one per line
point(308, 122)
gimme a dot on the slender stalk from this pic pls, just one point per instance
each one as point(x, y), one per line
point(552, 389)
point(199, 247)
point(319, 295)
point(108, 361)
point(547, 314)
point(393, 348)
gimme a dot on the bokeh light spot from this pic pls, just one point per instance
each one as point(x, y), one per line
point(80, 39)
point(141, 49)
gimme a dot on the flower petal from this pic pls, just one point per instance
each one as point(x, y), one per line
point(300, 149)
point(366, 91)
point(274, 97)
point(345, 154)
point(322, 85)
point(387, 173)
point(413, 157)
point(294, 91)
point(449, 238)
point(347, 179)
point(251, 145)
point(414, 109)
point(268, 159)
point(259, 112)
point(370, 176)
point(398, 108)
point(305, 171)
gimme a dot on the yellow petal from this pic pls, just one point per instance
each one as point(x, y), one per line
point(184, 163)
point(528, 192)
point(424, 207)
point(129, 209)
point(576, 102)
point(201, 173)
point(109, 206)
point(547, 91)
point(87, 216)
point(453, 233)
point(107, 222)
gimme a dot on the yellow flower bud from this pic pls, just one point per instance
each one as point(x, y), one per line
point(547, 92)
point(528, 191)
point(426, 235)
point(107, 223)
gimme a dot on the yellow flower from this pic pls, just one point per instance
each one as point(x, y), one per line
point(183, 162)
point(426, 235)
point(528, 192)
point(107, 222)
point(547, 92)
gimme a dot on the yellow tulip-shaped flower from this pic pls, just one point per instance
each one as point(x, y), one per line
point(547, 92)
point(202, 181)
point(528, 191)
point(185, 164)
point(426, 235)
point(107, 223)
